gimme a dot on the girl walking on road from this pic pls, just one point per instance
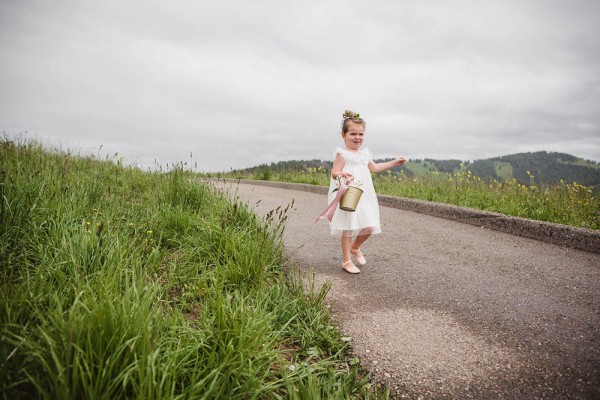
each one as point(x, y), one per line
point(353, 166)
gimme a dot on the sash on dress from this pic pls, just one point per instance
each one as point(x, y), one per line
point(330, 209)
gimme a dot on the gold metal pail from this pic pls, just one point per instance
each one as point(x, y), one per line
point(350, 199)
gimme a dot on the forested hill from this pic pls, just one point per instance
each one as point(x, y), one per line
point(540, 167)
point(548, 168)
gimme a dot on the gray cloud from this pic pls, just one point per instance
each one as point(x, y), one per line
point(237, 84)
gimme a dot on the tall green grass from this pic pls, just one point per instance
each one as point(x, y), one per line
point(564, 203)
point(117, 283)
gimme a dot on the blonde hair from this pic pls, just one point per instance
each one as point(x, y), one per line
point(351, 117)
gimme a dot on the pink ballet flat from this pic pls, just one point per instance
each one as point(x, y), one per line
point(360, 259)
point(349, 267)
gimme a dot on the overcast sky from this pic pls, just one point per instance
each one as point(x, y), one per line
point(240, 83)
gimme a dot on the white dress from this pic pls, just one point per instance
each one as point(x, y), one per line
point(365, 220)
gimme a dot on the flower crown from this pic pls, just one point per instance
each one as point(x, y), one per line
point(350, 115)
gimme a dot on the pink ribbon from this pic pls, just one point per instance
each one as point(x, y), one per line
point(330, 209)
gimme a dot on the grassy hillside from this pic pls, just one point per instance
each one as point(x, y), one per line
point(116, 283)
point(539, 168)
point(503, 170)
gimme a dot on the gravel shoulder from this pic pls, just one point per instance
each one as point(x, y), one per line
point(445, 309)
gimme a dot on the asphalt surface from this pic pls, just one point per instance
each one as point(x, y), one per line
point(445, 309)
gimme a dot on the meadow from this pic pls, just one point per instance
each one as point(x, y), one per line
point(563, 203)
point(119, 283)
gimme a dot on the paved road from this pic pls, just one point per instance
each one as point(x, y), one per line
point(449, 310)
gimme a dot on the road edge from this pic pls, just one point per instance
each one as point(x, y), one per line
point(562, 235)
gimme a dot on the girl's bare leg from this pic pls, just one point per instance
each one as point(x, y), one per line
point(346, 247)
point(355, 248)
point(347, 264)
point(359, 241)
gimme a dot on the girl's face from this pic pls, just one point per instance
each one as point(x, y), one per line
point(354, 137)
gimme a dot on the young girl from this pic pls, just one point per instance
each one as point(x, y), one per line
point(355, 165)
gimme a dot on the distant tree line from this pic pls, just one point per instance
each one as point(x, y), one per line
point(289, 166)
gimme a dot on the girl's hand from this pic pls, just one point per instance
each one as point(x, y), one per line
point(346, 175)
point(400, 160)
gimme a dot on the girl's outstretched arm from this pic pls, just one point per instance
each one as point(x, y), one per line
point(378, 167)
